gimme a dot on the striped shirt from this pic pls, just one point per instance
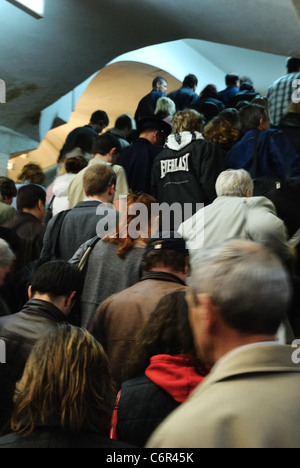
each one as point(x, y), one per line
point(280, 95)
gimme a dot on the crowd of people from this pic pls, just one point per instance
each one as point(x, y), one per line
point(149, 295)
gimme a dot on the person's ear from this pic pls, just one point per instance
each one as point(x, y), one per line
point(70, 299)
point(30, 292)
point(41, 205)
point(209, 315)
point(111, 189)
point(113, 153)
point(263, 124)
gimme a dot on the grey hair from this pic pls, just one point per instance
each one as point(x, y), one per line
point(6, 254)
point(234, 183)
point(247, 282)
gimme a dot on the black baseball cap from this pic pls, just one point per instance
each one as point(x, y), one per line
point(167, 241)
point(157, 124)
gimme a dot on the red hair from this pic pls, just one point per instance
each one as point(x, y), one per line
point(122, 235)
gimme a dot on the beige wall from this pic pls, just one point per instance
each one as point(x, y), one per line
point(117, 89)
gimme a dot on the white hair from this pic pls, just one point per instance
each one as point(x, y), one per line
point(6, 254)
point(234, 183)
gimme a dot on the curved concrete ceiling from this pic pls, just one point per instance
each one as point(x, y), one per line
point(42, 60)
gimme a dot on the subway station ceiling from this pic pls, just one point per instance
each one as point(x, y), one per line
point(42, 60)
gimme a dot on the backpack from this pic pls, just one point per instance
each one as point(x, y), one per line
point(285, 197)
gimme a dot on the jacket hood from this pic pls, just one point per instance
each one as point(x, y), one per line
point(178, 141)
point(175, 374)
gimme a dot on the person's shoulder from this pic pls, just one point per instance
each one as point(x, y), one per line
point(8, 208)
point(260, 202)
point(118, 169)
point(173, 93)
point(9, 330)
point(279, 81)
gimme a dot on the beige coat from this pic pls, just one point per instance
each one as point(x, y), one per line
point(233, 217)
point(250, 400)
point(76, 193)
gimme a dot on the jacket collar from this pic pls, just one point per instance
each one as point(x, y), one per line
point(255, 359)
point(45, 309)
point(28, 217)
point(162, 276)
point(88, 204)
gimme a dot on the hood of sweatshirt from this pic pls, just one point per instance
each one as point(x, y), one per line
point(175, 374)
point(178, 141)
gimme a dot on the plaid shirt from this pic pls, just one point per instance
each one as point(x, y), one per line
point(280, 96)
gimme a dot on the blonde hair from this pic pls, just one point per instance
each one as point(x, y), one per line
point(188, 121)
point(66, 380)
point(222, 132)
point(165, 105)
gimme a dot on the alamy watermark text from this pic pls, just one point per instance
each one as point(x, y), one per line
point(296, 93)
point(2, 92)
point(2, 352)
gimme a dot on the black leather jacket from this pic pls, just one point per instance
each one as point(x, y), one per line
point(19, 333)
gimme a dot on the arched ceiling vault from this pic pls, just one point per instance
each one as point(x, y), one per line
point(42, 60)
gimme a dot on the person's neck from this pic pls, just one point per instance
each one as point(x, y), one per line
point(57, 302)
point(102, 198)
point(148, 137)
point(237, 340)
point(105, 158)
point(31, 212)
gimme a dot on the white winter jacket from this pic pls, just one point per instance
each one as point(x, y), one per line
point(60, 190)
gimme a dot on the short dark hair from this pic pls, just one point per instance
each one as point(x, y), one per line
point(173, 259)
point(293, 65)
point(190, 81)
point(231, 79)
point(7, 188)
point(104, 143)
point(97, 178)
point(158, 79)
point(75, 164)
point(57, 278)
point(29, 196)
point(250, 117)
point(100, 116)
point(123, 122)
